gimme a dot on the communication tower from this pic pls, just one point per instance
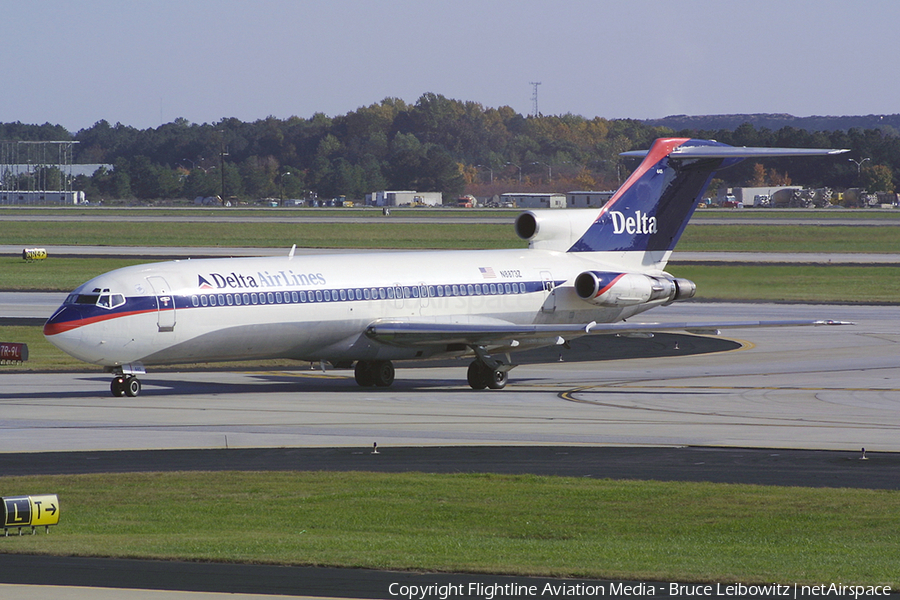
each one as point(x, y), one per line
point(534, 98)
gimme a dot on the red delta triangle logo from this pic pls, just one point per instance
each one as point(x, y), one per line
point(204, 284)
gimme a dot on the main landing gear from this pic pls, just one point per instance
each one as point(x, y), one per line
point(378, 373)
point(125, 385)
point(482, 375)
point(484, 372)
point(487, 371)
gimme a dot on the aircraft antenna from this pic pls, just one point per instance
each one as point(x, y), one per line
point(534, 98)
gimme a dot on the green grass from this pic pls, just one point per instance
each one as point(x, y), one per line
point(273, 235)
point(793, 283)
point(386, 234)
point(274, 213)
point(521, 525)
point(797, 213)
point(789, 238)
point(56, 274)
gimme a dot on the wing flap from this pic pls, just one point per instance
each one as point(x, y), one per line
point(419, 333)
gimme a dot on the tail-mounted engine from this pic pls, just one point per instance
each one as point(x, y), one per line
point(554, 229)
point(626, 289)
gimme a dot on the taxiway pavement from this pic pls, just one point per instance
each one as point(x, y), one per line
point(811, 387)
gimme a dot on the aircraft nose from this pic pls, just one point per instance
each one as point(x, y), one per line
point(66, 318)
point(63, 329)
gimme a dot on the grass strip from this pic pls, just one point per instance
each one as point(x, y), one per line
point(794, 283)
point(274, 213)
point(385, 234)
point(789, 239)
point(523, 525)
point(56, 273)
point(264, 235)
point(805, 213)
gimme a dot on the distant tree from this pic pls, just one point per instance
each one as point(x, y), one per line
point(877, 178)
point(758, 179)
point(169, 183)
point(200, 183)
point(775, 178)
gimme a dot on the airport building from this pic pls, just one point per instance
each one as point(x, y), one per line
point(404, 198)
point(40, 172)
point(588, 199)
point(522, 200)
point(15, 198)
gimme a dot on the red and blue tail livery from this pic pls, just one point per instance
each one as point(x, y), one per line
point(650, 211)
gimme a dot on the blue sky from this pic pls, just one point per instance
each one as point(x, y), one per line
point(148, 62)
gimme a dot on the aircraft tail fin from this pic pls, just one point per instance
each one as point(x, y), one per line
point(650, 210)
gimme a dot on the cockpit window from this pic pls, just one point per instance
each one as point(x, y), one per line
point(105, 300)
point(111, 300)
point(83, 299)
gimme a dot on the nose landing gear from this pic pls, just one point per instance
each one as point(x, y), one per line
point(124, 382)
point(123, 385)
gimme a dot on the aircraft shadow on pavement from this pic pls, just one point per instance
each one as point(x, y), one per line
point(594, 348)
point(279, 380)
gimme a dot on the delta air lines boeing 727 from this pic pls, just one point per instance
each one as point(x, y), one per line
point(585, 271)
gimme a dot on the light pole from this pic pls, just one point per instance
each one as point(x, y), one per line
point(222, 156)
point(489, 169)
point(519, 168)
point(858, 166)
point(549, 170)
point(282, 186)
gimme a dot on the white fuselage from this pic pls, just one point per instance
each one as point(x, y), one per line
point(316, 307)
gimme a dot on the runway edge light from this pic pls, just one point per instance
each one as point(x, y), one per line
point(30, 511)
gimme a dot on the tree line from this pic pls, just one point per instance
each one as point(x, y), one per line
point(435, 144)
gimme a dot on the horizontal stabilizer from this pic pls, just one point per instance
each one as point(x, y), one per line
point(742, 152)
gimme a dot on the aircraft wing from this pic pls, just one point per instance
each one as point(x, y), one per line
point(418, 333)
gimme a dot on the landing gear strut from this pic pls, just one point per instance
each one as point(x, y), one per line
point(123, 385)
point(378, 373)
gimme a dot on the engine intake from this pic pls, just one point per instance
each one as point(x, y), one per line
point(626, 289)
point(554, 229)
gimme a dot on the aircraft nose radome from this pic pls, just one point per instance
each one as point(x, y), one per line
point(66, 318)
point(63, 330)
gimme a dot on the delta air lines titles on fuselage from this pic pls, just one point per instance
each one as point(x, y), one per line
point(239, 281)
